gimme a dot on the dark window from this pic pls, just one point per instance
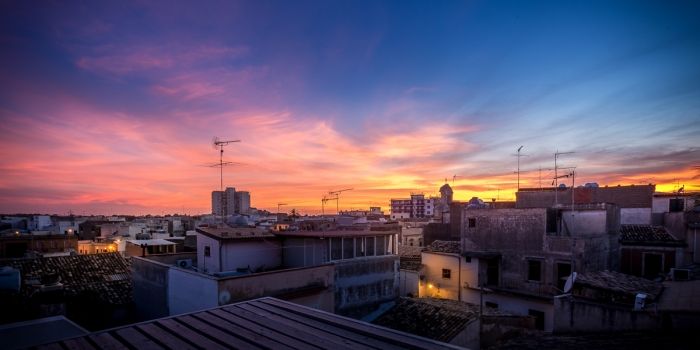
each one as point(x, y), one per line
point(348, 248)
point(369, 246)
point(207, 251)
point(539, 318)
point(534, 270)
point(563, 272)
point(472, 222)
point(492, 271)
point(675, 205)
point(359, 249)
point(491, 305)
point(468, 259)
point(336, 249)
point(381, 245)
point(446, 273)
point(653, 265)
point(551, 220)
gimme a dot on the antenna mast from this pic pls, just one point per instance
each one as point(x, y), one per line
point(336, 198)
point(219, 145)
point(518, 155)
point(556, 183)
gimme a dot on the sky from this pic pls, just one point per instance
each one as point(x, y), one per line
point(110, 107)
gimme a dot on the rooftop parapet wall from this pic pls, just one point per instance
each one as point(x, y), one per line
point(623, 196)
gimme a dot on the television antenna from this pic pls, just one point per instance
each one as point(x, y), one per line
point(219, 144)
point(518, 155)
point(556, 183)
point(334, 195)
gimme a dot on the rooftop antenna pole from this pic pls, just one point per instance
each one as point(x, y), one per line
point(219, 145)
point(337, 197)
point(519, 155)
point(556, 182)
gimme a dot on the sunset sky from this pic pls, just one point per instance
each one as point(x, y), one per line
point(111, 107)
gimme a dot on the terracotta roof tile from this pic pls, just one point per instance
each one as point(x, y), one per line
point(647, 235)
point(437, 319)
point(106, 276)
point(444, 247)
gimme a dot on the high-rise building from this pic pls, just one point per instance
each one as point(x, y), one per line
point(230, 201)
point(243, 202)
point(217, 202)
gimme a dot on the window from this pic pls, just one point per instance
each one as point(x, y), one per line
point(381, 245)
point(563, 273)
point(359, 248)
point(348, 248)
point(468, 259)
point(369, 246)
point(534, 270)
point(207, 251)
point(446, 273)
point(539, 318)
point(675, 205)
point(336, 248)
point(491, 305)
point(472, 222)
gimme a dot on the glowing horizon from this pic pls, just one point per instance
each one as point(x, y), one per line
point(110, 109)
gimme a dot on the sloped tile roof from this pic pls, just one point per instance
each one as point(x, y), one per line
point(438, 319)
point(619, 283)
point(105, 276)
point(444, 247)
point(647, 235)
point(410, 264)
point(406, 251)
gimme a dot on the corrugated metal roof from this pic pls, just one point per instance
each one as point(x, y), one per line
point(265, 323)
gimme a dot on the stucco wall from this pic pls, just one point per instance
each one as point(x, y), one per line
point(573, 315)
point(635, 216)
point(515, 305)
point(254, 254)
point(190, 291)
point(408, 283)
point(364, 282)
point(300, 252)
point(311, 286)
point(150, 283)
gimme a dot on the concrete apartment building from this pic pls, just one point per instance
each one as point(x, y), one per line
point(417, 206)
point(517, 260)
point(230, 202)
point(365, 260)
point(635, 201)
point(242, 202)
point(345, 271)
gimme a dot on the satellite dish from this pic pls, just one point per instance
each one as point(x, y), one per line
point(570, 282)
